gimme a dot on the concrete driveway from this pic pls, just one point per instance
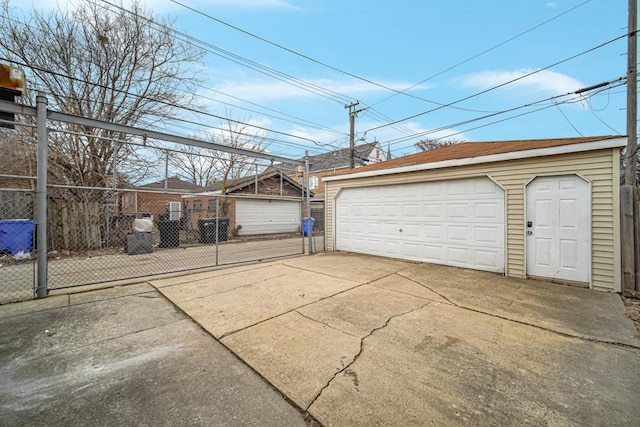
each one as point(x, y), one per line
point(124, 356)
point(358, 340)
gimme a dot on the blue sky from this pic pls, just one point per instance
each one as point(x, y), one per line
point(402, 43)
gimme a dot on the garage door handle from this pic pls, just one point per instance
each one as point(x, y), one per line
point(400, 230)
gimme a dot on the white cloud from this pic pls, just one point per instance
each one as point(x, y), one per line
point(544, 81)
point(551, 4)
point(389, 133)
point(263, 90)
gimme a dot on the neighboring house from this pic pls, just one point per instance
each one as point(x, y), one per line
point(327, 164)
point(273, 206)
point(544, 209)
point(155, 201)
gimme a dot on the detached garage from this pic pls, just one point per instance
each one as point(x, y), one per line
point(538, 208)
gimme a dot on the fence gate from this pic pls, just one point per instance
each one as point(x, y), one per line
point(100, 230)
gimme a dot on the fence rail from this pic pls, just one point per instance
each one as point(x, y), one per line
point(55, 235)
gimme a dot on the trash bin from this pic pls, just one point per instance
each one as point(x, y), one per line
point(16, 235)
point(207, 227)
point(139, 243)
point(169, 233)
point(306, 226)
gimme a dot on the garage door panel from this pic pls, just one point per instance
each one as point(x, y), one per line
point(410, 211)
point(459, 256)
point(433, 211)
point(487, 211)
point(375, 211)
point(488, 236)
point(411, 250)
point(459, 233)
point(433, 253)
point(433, 232)
point(458, 211)
point(411, 231)
point(455, 222)
point(489, 259)
point(262, 216)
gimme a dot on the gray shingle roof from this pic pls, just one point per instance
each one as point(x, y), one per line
point(340, 158)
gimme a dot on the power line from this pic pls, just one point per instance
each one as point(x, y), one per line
point(271, 72)
point(485, 51)
point(308, 123)
point(158, 100)
point(502, 84)
point(316, 61)
point(618, 82)
point(567, 119)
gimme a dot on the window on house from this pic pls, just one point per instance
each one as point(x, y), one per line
point(313, 182)
point(197, 205)
point(211, 205)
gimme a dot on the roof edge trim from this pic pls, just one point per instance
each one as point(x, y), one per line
point(514, 155)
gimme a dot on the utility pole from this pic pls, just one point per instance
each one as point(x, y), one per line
point(352, 132)
point(628, 192)
point(632, 96)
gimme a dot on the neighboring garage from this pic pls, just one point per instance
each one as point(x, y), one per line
point(266, 216)
point(536, 208)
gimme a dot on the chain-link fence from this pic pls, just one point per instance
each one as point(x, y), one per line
point(97, 227)
point(102, 238)
point(17, 261)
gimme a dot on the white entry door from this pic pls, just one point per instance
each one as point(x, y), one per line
point(457, 222)
point(558, 228)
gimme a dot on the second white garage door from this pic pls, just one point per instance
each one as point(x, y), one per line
point(457, 222)
point(262, 216)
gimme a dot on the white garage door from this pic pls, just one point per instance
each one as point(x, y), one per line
point(456, 222)
point(260, 216)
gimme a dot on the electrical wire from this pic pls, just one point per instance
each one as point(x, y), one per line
point(324, 64)
point(618, 82)
point(193, 110)
point(201, 44)
point(485, 51)
point(567, 119)
point(505, 83)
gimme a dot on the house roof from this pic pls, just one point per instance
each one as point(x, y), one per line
point(479, 152)
point(239, 183)
point(340, 159)
point(173, 183)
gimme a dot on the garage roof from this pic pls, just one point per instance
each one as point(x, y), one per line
point(483, 152)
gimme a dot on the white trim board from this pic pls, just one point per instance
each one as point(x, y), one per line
point(514, 155)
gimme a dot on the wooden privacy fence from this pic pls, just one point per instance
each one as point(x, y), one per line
point(630, 237)
point(75, 224)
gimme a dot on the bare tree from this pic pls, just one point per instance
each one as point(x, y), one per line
point(102, 64)
point(432, 144)
point(203, 166)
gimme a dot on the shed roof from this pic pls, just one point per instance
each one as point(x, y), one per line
point(239, 183)
point(453, 155)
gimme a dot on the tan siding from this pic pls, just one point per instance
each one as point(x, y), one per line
point(599, 167)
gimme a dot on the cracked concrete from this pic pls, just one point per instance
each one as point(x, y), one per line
point(124, 356)
point(346, 369)
point(358, 340)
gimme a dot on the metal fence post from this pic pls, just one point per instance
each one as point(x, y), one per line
point(309, 227)
point(217, 226)
point(41, 195)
